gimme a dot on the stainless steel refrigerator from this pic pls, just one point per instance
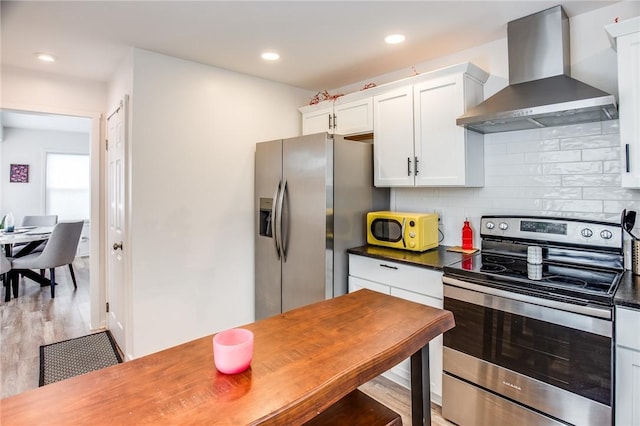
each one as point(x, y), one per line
point(312, 194)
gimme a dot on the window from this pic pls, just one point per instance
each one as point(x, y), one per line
point(67, 186)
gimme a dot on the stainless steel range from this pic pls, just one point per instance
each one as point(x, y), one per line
point(533, 342)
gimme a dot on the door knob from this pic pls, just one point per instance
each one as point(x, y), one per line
point(117, 246)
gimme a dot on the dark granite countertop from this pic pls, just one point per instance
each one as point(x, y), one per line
point(628, 293)
point(435, 258)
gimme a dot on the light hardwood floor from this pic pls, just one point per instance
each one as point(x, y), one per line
point(34, 319)
point(398, 399)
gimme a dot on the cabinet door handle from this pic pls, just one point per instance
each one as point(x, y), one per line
point(388, 266)
point(408, 166)
point(335, 121)
point(329, 121)
point(415, 166)
point(626, 153)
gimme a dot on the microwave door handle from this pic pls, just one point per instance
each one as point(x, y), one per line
point(274, 219)
point(281, 225)
point(404, 221)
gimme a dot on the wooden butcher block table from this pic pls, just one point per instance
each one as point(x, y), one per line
point(305, 360)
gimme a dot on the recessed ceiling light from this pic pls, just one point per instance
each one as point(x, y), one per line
point(270, 56)
point(45, 57)
point(394, 38)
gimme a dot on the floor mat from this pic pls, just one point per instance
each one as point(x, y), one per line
point(62, 360)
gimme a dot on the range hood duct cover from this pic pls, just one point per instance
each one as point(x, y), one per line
point(540, 93)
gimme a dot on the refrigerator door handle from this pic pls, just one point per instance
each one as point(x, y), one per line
point(281, 224)
point(274, 219)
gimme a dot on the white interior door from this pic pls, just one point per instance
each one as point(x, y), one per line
point(116, 135)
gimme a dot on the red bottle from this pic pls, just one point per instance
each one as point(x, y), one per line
point(467, 236)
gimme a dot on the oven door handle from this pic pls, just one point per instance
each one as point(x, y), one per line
point(585, 318)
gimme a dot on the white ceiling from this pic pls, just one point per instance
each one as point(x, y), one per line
point(323, 44)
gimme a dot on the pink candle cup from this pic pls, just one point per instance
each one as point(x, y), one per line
point(233, 350)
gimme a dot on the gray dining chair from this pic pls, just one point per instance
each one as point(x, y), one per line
point(41, 220)
point(5, 267)
point(60, 250)
point(46, 220)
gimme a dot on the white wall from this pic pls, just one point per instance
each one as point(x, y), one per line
point(45, 92)
point(193, 135)
point(29, 146)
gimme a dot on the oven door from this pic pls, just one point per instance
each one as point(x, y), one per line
point(532, 351)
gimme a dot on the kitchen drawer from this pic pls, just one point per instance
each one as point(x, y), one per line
point(356, 284)
point(411, 278)
point(417, 297)
point(627, 326)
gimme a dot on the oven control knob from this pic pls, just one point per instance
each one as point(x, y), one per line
point(586, 232)
point(606, 234)
point(490, 225)
point(503, 226)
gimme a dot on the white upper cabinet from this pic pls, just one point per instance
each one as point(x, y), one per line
point(342, 117)
point(625, 38)
point(317, 118)
point(416, 139)
point(449, 155)
point(393, 149)
point(353, 117)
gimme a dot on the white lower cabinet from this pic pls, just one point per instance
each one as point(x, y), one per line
point(420, 285)
point(627, 399)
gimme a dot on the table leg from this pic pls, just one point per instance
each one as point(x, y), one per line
point(34, 276)
point(420, 388)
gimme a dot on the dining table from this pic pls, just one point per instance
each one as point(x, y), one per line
point(31, 236)
point(305, 362)
point(28, 239)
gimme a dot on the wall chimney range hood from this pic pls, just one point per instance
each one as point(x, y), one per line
point(540, 92)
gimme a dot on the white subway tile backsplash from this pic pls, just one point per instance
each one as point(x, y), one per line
point(572, 205)
point(509, 204)
point(616, 207)
point(534, 146)
point(512, 169)
point(507, 159)
point(569, 171)
point(531, 192)
point(572, 168)
point(612, 180)
point(611, 167)
point(552, 156)
point(609, 193)
point(495, 149)
point(603, 154)
point(510, 137)
point(524, 181)
point(611, 126)
point(573, 130)
point(586, 142)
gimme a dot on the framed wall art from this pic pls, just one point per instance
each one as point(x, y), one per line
point(19, 173)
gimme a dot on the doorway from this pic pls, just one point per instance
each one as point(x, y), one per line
point(63, 120)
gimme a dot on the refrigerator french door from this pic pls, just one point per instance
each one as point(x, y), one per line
point(312, 196)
